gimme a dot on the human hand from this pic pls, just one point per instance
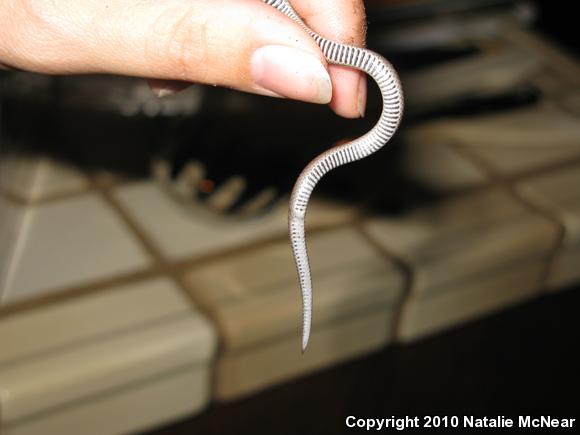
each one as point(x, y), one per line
point(241, 44)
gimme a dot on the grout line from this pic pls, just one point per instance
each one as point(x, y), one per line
point(544, 170)
point(173, 269)
point(160, 264)
point(72, 292)
point(90, 185)
point(497, 177)
point(508, 183)
point(27, 205)
point(80, 342)
point(22, 201)
point(248, 247)
point(178, 265)
point(18, 245)
point(403, 267)
point(558, 244)
point(556, 59)
point(132, 226)
point(177, 269)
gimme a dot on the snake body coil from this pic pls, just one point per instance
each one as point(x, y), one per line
point(386, 78)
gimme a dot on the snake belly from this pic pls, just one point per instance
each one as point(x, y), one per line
point(389, 85)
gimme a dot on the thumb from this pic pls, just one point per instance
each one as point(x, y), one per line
point(242, 44)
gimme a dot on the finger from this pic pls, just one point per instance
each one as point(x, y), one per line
point(242, 44)
point(343, 21)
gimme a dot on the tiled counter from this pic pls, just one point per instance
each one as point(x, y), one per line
point(456, 150)
point(113, 362)
point(468, 256)
point(506, 145)
point(67, 235)
point(253, 299)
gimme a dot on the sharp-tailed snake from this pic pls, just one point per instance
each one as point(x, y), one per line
point(390, 87)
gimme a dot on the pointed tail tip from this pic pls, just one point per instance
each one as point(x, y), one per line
point(304, 343)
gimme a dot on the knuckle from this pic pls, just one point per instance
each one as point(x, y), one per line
point(180, 39)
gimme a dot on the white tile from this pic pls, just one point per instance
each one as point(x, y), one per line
point(439, 165)
point(34, 178)
point(130, 356)
point(180, 232)
point(160, 401)
point(62, 377)
point(464, 237)
point(557, 193)
point(490, 73)
point(516, 141)
point(81, 319)
point(552, 57)
point(467, 300)
point(68, 243)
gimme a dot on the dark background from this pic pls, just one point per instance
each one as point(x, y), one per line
point(559, 21)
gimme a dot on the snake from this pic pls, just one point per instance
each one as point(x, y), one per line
point(384, 74)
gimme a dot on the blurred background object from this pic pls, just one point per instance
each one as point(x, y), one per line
point(145, 271)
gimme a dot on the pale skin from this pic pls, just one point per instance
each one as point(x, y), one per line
point(240, 44)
